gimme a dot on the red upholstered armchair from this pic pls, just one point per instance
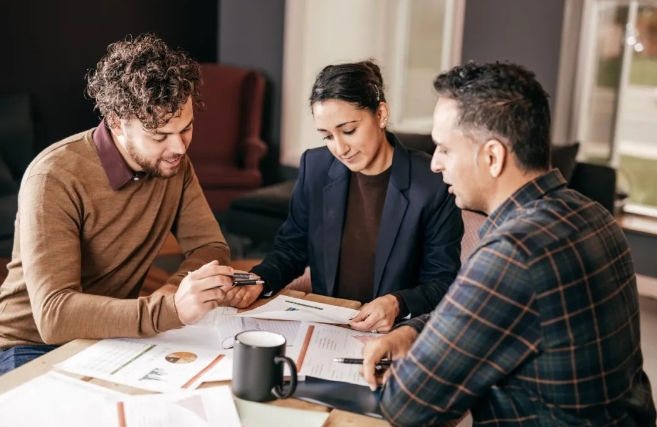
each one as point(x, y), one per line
point(226, 149)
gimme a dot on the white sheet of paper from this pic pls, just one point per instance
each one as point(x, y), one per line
point(210, 318)
point(143, 364)
point(230, 326)
point(287, 308)
point(191, 336)
point(209, 407)
point(320, 344)
point(56, 400)
point(253, 414)
point(222, 371)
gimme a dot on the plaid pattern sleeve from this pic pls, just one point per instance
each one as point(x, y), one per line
point(541, 326)
point(483, 330)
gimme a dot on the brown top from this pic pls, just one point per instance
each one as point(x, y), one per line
point(367, 194)
point(87, 231)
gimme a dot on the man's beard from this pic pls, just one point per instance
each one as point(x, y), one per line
point(151, 168)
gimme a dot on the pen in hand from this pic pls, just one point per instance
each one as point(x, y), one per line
point(239, 276)
point(248, 282)
point(381, 364)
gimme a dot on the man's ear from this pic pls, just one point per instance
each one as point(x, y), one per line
point(495, 155)
point(114, 125)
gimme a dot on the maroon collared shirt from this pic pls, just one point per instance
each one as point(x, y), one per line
point(117, 170)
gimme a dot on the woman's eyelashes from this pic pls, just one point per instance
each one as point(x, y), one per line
point(329, 136)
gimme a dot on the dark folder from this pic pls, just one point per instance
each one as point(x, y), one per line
point(338, 395)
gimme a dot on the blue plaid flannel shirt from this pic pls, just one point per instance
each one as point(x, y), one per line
point(541, 326)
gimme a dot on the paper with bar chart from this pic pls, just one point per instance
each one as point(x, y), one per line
point(144, 364)
point(319, 344)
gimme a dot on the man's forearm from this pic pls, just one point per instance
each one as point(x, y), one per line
point(198, 258)
point(68, 315)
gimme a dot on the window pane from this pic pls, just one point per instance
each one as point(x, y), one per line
point(637, 112)
point(598, 135)
point(424, 57)
point(644, 57)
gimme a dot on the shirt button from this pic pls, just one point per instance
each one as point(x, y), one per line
point(136, 178)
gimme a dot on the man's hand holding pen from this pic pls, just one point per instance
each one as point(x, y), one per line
point(391, 346)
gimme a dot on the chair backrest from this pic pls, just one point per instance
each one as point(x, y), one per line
point(597, 182)
point(233, 99)
point(17, 132)
point(417, 141)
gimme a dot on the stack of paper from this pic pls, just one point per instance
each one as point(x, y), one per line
point(61, 401)
point(287, 308)
point(185, 357)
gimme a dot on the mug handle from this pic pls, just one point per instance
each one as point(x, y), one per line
point(278, 388)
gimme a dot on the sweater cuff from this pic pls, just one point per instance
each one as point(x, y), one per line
point(168, 315)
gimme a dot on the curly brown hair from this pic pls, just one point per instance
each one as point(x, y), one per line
point(145, 79)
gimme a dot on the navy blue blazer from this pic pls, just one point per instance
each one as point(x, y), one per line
point(419, 243)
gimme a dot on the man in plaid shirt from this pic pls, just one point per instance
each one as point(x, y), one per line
point(541, 326)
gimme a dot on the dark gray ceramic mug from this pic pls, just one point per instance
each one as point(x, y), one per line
point(258, 360)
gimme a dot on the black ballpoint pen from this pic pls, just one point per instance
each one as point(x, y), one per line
point(248, 282)
point(379, 365)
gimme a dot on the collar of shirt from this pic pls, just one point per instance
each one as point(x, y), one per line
point(532, 191)
point(117, 170)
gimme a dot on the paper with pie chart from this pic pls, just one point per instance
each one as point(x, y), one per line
point(141, 363)
point(200, 408)
point(319, 344)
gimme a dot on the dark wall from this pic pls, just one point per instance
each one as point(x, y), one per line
point(49, 46)
point(251, 35)
point(527, 32)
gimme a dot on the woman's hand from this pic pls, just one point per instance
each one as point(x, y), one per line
point(377, 316)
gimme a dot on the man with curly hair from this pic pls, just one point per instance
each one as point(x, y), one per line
point(95, 209)
point(541, 325)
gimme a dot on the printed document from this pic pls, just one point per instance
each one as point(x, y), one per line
point(319, 344)
point(229, 326)
point(209, 407)
point(215, 315)
point(56, 400)
point(143, 364)
point(287, 308)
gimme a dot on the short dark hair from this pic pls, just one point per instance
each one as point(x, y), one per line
point(504, 101)
point(358, 83)
point(145, 79)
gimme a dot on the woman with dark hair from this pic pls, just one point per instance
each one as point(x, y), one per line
point(367, 214)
